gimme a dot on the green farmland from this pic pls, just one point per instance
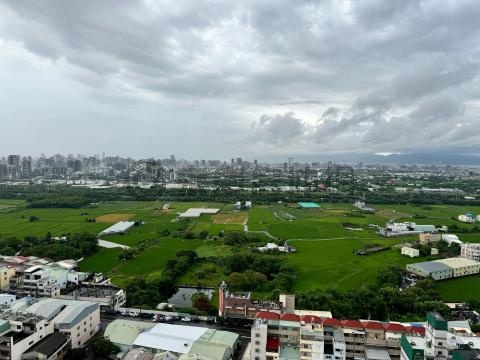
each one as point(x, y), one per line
point(325, 238)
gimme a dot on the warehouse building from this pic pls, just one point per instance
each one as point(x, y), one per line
point(179, 339)
point(123, 333)
point(197, 212)
point(173, 339)
point(445, 268)
point(120, 227)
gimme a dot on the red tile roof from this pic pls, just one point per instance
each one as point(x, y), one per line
point(394, 327)
point(308, 319)
point(352, 324)
point(290, 317)
point(420, 330)
point(332, 322)
point(372, 325)
point(267, 315)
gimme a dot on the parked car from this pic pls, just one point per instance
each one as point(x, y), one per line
point(168, 318)
point(123, 312)
point(158, 318)
point(133, 313)
point(186, 319)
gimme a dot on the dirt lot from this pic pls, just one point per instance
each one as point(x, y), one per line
point(239, 219)
point(113, 218)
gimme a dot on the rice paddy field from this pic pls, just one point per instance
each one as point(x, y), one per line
point(325, 237)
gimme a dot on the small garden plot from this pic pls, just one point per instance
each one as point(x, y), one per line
point(284, 216)
point(113, 218)
point(238, 219)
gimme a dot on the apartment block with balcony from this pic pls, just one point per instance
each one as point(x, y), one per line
point(441, 342)
point(313, 337)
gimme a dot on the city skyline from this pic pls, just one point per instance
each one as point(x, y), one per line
point(146, 78)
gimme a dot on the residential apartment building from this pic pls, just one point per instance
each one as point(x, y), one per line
point(6, 272)
point(43, 280)
point(428, 237)
point(289, 336)
point(46, 328)
point(19, 332)
point(441, 342)
point(308, 337)
point(470, 251)
point(79, 320)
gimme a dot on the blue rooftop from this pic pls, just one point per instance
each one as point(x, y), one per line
point(308, 205)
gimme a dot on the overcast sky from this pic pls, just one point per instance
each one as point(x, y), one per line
point(216, 79)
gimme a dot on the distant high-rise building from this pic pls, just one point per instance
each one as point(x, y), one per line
point(77, 166)
point(3, 171)
point(26, 168)
point(13, 160)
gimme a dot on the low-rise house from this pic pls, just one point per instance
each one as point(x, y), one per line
point(409, 251)
point(274, 247)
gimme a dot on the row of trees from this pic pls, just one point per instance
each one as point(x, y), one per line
point(71, 246)
point(70, 197)
point(383, 300)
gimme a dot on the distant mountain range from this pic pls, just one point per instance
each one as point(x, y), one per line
point(429, 158)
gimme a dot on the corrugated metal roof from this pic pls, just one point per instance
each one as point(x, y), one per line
point(175, 338)
point(124, 332)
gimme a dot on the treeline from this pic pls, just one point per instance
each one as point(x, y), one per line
point(141, 293)
point(67, 196)
point(444, 248)
point(383, 300)
point(260, 272)
point(58, 201)
point(73, 246)
point(464, 230)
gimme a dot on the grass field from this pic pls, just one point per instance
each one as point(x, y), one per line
point(332, 263)
point(460, 289)
point(324, 244)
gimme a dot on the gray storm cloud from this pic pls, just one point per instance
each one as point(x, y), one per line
point(207, 77)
